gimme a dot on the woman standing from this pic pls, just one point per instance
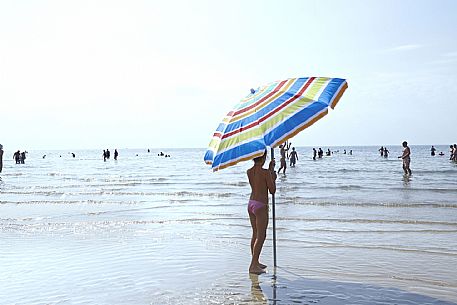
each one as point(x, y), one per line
point(262, 181)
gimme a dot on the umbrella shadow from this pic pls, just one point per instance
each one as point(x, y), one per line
point(286, 287)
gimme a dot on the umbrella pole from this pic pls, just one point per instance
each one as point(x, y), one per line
point(274, 217)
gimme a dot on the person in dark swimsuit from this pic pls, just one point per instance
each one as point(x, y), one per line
point(293, 157)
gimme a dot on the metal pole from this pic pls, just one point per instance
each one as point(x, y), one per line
point(274, 217)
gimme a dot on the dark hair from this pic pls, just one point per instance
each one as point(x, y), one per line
point(258, 159)
point(405, 143)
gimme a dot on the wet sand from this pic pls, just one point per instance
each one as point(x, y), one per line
point(147, 262)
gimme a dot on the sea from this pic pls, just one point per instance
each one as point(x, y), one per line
point(149, 229)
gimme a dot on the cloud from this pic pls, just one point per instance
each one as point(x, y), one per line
point(403, 48)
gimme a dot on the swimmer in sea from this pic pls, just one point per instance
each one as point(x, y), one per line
point(262, 181)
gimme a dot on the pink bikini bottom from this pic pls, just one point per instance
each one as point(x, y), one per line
point(254, 206)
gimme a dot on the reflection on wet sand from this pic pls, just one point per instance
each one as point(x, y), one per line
point(257, 295)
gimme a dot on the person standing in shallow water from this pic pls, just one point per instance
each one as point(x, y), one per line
point(406, 156)
point(293, 157)
point(1, 158)
point(17, 157)
point(115, 154)
point(432, 151)
point(283, 150)
point(261, 181)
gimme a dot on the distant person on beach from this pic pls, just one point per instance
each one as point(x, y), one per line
point(320, 153)
point(406, 156)
point(282, 151)
point(149, 150)
point(261, 181)
point(23, 157)
point(73, 154)
point(328, 153)
point(1, 157)
point(441, 153)
point(108, 154)
point(451, 152)
point(432, 151)
point(293, 157)
point(454, 154)
point(381, 150)
point(386, 152)
point(314, 153)
point(104, 155)
point(116, 154)
point(350, 152)
point(17, 157)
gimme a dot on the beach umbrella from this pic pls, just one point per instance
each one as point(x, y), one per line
point(269, 116)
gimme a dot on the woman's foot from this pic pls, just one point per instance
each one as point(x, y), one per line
point(262, 266)
point(256, 270)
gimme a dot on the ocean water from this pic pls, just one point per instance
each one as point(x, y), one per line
point(351, 229)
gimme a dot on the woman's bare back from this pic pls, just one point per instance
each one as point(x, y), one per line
point(261, 181)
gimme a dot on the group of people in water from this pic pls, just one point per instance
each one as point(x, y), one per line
point(107, 154)
point(284, 152)
point(20, 157)
point(293, 155)
point(433, 150)
point(384, 151)
point(318, 154)
point(163, 155)
point(452, 152)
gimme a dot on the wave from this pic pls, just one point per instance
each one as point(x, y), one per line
point(431, 231)
point(434, 251)
point(422, 189)
point(88, 201)
point(371, 221)
point(303, 201)
point(440, 171)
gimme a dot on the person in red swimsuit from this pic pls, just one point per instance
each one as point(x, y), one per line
point(262, 181)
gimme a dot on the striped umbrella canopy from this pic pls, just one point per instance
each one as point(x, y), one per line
point(271, 115)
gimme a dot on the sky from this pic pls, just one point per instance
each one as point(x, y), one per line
point(162, 74)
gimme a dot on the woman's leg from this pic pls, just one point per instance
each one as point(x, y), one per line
point(252, 219)
point(261, 226)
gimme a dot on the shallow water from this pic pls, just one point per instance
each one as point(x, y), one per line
point(153, 230)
